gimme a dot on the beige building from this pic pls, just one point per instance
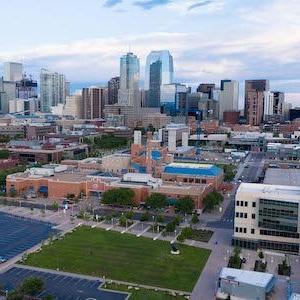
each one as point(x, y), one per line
point(267, 217)
point(74, 106)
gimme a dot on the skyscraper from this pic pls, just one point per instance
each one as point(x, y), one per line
point(206, 88)
point(113, 89)
point(93, 100)
point(52, 89)
point(229, 97)
point(159, 71)
point(254, 100)
point(129, 80)
point(13, 71)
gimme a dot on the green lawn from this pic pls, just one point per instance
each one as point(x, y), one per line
point(123, 257)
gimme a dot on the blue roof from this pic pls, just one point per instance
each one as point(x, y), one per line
point(193, 169)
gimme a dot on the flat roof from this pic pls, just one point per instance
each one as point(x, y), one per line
point(278, 192)
point(258, 279)
point(282, 176)
point(192, 169)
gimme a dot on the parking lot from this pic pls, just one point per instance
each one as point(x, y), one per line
point(17, 234)
point(60, 285)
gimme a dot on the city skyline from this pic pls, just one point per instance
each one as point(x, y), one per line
point(230, 40)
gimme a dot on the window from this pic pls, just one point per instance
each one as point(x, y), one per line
point(236, 214)
point(252, 231)
point(245, 230)
point(237, 203)
point(253, 216)
point(245, 215)
point(241, 215)
point(246, 203)
point(241, 229)
point(242, 203)
point(253, 204)
point(236, 229)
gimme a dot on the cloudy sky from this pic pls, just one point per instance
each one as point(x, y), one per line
point(209, 39)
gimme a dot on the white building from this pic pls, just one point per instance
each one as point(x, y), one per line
point(52, 89)
point(267, 217)
point(228, 97)
point(13, 71)
point(268, 104)
point(23, 106)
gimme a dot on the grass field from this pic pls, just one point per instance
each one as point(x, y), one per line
point(123, 257)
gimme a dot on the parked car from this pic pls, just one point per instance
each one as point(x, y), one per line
point(2, 259)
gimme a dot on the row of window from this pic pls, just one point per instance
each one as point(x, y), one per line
point(243, 230)
point(244, 203)
point(279, 233)
point(278, 203)
point(243, 215)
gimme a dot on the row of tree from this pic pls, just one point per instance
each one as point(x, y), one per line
point(125, 197)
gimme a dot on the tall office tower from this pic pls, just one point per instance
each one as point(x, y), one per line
point(206, 88)
point(268, 104)
point(13, 71)
point(26, 88)
point(129, 80)
point(93, 99)
point(52, 90)
point(278, 103)
point(159, 71)
point(68, 88)
point(254, 100)
point(113, 88)
point(170, 97)
point(228, 97)
point(74, 106)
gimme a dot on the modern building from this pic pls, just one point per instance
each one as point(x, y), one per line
point(13, 71)
point(113, 90)
point(170, 97)
point(267, 217)
point(7, 93)
point(244, 284)
point(193, 173)
point(163, 70)
point(159, 71)
point(278, 102)
point(129, 80)
point(206, 88)
point(74, 106)
point(268, 104)
point(52, 90)
point(93, 100)
point(229, 97)
point(283, 152)
point(254, 100)
point(294, 113)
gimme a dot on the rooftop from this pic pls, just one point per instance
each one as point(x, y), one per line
point(196, 169)
point(277, 192)
point(282, 177)
point(258, 279)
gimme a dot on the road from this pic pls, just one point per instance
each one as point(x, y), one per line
point(249, 171)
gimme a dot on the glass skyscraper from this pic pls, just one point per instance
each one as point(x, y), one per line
point(159, 71)
point(129, 79)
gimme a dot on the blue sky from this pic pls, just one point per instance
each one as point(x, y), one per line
point(209, 39)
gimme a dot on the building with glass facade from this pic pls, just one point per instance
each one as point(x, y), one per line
point(267, 217)
point(52, 90)
point(170, 97)
point(159, 71)
point(129, 80)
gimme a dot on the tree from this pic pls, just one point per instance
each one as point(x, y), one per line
point(31, 286)
point(156, 201)
point(145, 217)
point(171, 226)
point(195, 219)
point(212, 200)
point(185, 205)
point(119, 196)
point(15, 295)
point(4, 154)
